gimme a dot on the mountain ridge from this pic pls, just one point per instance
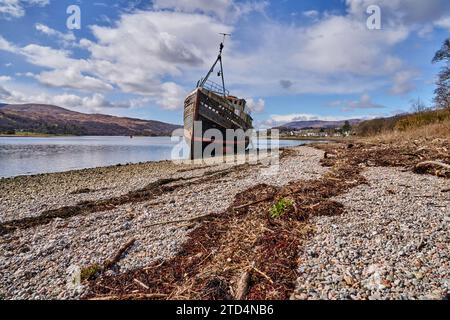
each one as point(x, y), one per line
point(318, 124)
point(51, 119)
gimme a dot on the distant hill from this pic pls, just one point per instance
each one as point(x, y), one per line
point(48, 119)
point(318, 124)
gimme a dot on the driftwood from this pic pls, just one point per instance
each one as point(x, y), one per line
point(432, 163)
point(264, 275)
point(242, 286)
point(143, 285)
point(111, 262)
point(329, 155)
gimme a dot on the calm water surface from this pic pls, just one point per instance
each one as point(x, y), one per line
point(24, 156)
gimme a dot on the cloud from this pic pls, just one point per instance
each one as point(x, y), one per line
point(443, 23)
point(164, 45)
point(66, 38)
point(5, 45)
point(223, 9)
point(4, 94)
point(365, 102)
point(256, 106)
point(171, 96)
point(403, 82)
point(4, 78)
point(16, 8)
point(316, 58)
point(83, 103)
point(411, 13)
point(286, 84)
point(72, 78)
point(311, 13)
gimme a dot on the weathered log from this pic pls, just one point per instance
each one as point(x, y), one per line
point(116, 258)
point(433, 163)
point(242, 286)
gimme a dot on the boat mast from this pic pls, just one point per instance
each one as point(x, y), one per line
point(219, 59)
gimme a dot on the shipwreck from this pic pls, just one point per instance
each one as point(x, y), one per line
point(210, 106)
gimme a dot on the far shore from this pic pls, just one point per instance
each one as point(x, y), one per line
point(42, 135)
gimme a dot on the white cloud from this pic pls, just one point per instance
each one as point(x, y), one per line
point(403, 82)
point(4, 78)
point(83, 103)
point(365, 102)
point(4, 94)
point(71, 77)
point(66, 38)
point(256, 106)
point(311, 13)
point(334, 55)
point(443, 23)
point(16, 8)
point(48, 57)
point(223, 9)
point(171, 96)
point(5, 45)
point(411, 13)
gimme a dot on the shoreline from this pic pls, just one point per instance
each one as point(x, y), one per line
point(79, 220)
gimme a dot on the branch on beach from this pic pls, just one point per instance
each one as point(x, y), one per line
point(433, 163)
point(426, 165)
point(111, 262)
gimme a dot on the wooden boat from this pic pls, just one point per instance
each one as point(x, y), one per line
point(210, 106)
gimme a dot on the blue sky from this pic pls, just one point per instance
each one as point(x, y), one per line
point(292, 60)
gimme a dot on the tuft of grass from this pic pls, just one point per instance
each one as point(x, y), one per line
point(281, 207)
point(90, 272)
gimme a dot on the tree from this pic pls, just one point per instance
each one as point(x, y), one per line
point(442, 92)
point(347, 128)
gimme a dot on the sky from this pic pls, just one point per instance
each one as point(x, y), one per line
point(291, 59)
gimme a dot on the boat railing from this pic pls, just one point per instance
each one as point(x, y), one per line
point(213, 87)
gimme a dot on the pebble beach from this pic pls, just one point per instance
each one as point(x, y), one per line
point(392, 242)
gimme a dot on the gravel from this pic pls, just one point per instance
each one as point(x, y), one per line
point(42, 262)
point(391, 243)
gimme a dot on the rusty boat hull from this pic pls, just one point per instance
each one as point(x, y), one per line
point(213, 111)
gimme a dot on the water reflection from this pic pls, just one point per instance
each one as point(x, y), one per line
point(23, 156)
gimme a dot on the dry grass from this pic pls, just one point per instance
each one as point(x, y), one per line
point(427, 132)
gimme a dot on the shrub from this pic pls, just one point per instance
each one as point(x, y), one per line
point(90, 272)
point(281, 207)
